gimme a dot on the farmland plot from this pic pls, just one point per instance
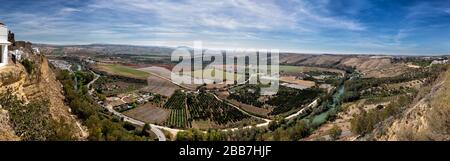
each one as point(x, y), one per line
point(120, 70)
point(166, 74)
point(148, 113)
point(176, 105)
point(160, 86)
point(205, 107)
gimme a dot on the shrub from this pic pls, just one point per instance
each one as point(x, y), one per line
point(28, 65)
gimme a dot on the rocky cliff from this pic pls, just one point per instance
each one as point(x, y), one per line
point(36, 85)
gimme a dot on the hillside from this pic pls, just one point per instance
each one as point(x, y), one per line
point(427, 119)
point(32, 106)
point(369, 66)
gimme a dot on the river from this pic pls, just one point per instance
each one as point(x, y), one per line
point(333, 107)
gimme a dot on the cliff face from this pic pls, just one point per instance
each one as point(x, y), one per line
point(428, 119)
point(40, 84)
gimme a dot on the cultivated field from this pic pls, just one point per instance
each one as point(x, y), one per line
point(264, 112)
point(178, 117)
point(166, 74)
point(163, 72)
point(293, 80)
point(120, 70)
point(148, 113)
point(211, 74)
point(160, 86)
point(248, 108)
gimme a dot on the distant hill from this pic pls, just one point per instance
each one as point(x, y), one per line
point(107, 49)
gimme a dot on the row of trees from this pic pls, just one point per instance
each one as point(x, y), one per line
point(176, 105)
point(205, 107)
point(288, 99)
point(247, 94)
point(277, 131)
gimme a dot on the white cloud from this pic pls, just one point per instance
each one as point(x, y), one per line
point(265, 15)
point(220, 22)
point(68, 10)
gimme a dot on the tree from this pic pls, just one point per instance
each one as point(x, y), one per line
point(29, 65)
point(145, 130)
point(273, 125)
point(185, 136)
point(300, 130)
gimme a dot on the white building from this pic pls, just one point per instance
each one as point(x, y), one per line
point(4, 45)
point(36, 50)
point(439, 62)
point(17, 54)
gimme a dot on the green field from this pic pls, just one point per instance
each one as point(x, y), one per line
point(116, 69)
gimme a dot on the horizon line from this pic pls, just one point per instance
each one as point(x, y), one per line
point(224, 49)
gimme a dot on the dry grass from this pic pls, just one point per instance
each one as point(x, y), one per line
point(439, 115)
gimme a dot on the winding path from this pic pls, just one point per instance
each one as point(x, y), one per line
point(92, 82)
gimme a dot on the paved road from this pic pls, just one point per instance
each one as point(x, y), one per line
point(312, 104)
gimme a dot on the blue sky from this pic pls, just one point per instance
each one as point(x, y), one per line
point(307, 26)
